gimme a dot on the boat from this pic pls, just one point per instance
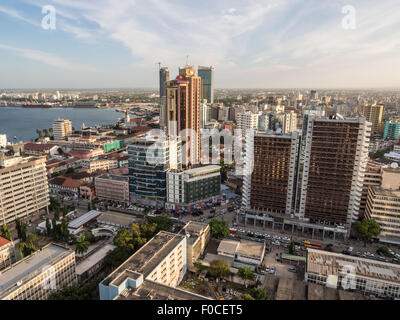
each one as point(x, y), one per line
point(37, 105)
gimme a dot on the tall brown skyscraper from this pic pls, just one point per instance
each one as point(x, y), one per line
point(183, 112)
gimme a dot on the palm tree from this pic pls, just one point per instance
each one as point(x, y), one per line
point(5, 232)
point(246, 274)
point(82, 245)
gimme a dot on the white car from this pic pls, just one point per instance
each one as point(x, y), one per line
point(350, 249)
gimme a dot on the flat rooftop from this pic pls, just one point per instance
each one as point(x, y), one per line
point(149, 256)
point(228, 246)
point(113, 177)
point(117, 218)
point(27, 268)
point(83, 219)
point(329, 263)
point(202, 170)
point(251, 248)
point(93, 259)
point(151, 290)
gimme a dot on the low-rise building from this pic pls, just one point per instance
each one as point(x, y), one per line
point(40, 149)
point(89, 267)
point(338, 271)
point(159, 264)
point(65, 186)
point(243, 251)
point(35, 277)
point(198, 234)
point(92, 165)
point(112, 187)
point(7, 253)
point(87, 191)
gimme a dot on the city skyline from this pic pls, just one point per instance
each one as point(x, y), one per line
point(263, 44)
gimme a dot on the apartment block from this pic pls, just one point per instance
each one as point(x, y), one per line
point(93, 165)
point(35, 277)
point(373, 113)
point(372, 177)
point(247, 121)
point(112, 187)
point(24, 188)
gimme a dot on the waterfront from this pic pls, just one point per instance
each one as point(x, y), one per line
point(22, 123)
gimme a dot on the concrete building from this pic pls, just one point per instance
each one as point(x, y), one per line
point(372, 177)
point(35, 277)
point(161, 262)
point(287, 121)
point(331, 168)
point(40, 149)
point(270, 185)
point(373, 113)
point(189, 187)
point(247, 121)
point(383, 205)
point(112, 187)
point(3, 140)
point(338, 271)
point(7, 253)
point(198, 235)
point(89, 267)
point(23, 188)
point(61, 129)
point(246, 252)
point(93, 165)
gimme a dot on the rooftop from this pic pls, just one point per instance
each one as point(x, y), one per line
point(228, 246)
point(83, 219)
point(151, 290)
point(251, 248)
point(329, 263)
point(113, 177)
point(26, 269)
point(3, 241)
point(149, 256)
point(93, 259)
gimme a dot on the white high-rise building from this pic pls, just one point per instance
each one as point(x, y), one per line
point(247, 121)
point(3, 140)
point(288, 121)
point(24, 188)
point(61, 129)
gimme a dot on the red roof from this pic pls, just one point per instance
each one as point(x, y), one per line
point(38, 146)
point(3, 241)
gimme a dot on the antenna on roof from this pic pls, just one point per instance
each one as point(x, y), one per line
point(159, 65)
point(187, 61)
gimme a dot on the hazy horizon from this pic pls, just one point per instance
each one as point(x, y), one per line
point(254, 44)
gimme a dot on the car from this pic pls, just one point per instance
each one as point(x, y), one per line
point(267, 268)
point(350, 249)
point(292, 269)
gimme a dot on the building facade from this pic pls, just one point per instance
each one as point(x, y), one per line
point(38, 275)
point(61, 129)
point(373, 113)
point(24, 188)
point(392, 129)
point(112, 187)
point(207, 83)
point(7, 253)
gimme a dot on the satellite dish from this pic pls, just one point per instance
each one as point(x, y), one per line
point(394, 165)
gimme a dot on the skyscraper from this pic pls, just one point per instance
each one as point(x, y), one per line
point(373, 113)
point(164, 77)
point(271, 185)
point(207, 82)
point(331, 167)
point(184, 111)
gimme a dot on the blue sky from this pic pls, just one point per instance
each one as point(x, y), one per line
point(251, 43)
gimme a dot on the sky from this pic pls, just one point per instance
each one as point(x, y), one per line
point(251, 43)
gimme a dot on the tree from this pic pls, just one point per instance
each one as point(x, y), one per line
point(64, 232)
point(366, 229)
point(48, 227)
point(82, 245)
point(5, 232)
point(246, 296)
point(65, 210)
point(292, 247)
point(163, 223)
point(39, 133)
point(26, 248)
point(219, 268)
point(245, 273)
point(88, 207)
point(219, 229)
point(57, 213)
point(258, 293)
point(87, 291)
point(148, 230)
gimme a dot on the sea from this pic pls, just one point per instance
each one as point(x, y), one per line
point(20, 124)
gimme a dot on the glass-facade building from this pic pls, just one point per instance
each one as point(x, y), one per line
point(207, 83)
point(392, 129)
